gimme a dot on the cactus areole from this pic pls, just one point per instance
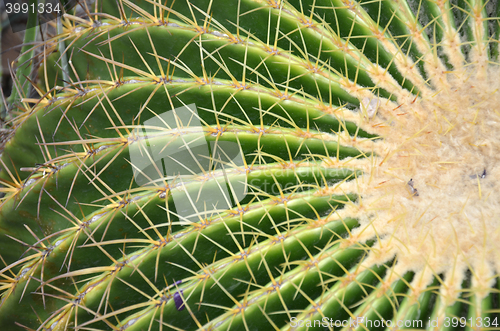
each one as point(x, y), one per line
point(256, 165)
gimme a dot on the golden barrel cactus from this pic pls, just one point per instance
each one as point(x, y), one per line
point(256, 165)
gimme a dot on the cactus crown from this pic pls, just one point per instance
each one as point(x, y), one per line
point(256, 164)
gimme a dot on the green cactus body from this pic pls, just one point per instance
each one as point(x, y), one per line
point(257, 165)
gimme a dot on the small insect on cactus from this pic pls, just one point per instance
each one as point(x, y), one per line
point(257, 165)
